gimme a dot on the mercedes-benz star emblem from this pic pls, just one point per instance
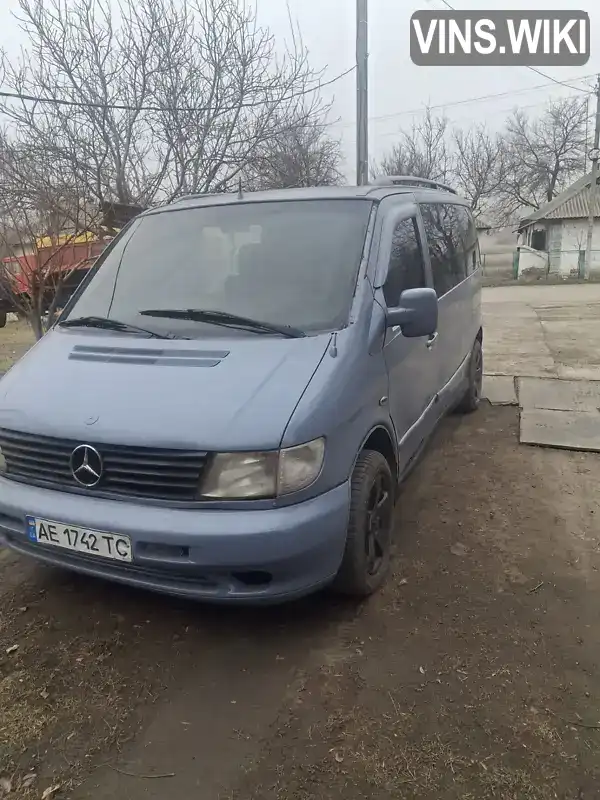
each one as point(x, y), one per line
point(86, 465)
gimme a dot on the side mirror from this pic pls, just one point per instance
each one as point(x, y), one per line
point(417, 314)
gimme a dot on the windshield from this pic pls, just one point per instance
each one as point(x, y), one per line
point(290, 263)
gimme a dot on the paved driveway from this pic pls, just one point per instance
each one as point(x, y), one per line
point(545, 331)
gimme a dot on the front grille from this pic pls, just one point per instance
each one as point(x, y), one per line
point(144, 472)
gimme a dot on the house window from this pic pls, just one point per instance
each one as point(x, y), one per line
point(538, 240)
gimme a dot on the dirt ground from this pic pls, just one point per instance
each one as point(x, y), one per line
point(474, 674)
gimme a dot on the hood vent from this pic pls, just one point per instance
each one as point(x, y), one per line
point(169, 357)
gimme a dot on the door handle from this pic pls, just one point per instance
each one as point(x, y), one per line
point(432, 340)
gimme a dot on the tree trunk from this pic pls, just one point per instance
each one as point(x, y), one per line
point(35, 321)
point(52, 308)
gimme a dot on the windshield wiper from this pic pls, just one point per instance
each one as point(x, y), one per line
point(111, 325)
point(225, 319)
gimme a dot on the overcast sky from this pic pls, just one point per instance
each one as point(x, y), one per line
point(397, 87)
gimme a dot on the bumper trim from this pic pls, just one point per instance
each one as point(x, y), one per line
point(297, 548)
point(200, 588)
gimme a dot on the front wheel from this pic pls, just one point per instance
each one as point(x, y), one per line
point(367, 555)
point(472, 396)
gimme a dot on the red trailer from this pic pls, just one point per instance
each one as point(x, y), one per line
point(60, 265)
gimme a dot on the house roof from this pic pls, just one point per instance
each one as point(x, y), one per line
point(573, 203)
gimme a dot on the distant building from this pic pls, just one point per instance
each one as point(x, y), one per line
point(483, 226)
point(554, 237)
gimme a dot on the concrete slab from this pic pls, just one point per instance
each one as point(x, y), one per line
point(551, 331)
point(542, 295)
point(517, 363)
point(580, 373)
point(569, 430)
point(558, 395)
point(508, 310)
point(513, 341)
point(499, 390)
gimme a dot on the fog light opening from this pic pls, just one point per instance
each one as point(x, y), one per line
point(253, 577)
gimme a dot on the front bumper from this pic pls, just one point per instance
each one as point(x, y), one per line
point(245, 556)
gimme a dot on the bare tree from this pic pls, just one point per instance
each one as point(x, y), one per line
point(543, 155)
point(174, 97)
point(239, 97)
point(479, 167)
point(82, 67)
point(422, 151)
point(166, 97)
point(36, 272)
point(48, 233)
point(300, 155)
point(524, 166)
point(472, 161)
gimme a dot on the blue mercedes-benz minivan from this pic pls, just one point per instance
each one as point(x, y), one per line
point(227, 404)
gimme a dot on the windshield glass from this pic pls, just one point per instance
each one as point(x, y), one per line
point(289, 263)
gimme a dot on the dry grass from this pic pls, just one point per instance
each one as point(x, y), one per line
point(15, 340)
point(22, 720)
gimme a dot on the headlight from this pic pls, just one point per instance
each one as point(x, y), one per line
point(2, 461)
point(241, 476)
point(246, 476)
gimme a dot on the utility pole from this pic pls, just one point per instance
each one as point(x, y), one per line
point(362, 92)
point(594, 156)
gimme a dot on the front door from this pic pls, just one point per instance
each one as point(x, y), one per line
point(411, 363)
point(443, 223)
point(554, 247)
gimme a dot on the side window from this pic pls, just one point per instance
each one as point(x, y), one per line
point(443, 228)
point(406, 270)
point(469, 239)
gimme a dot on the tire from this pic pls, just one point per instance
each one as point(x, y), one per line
point(2, 319)
point(367, 554)
point(472, 397)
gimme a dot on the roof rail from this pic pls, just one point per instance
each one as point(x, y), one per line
point(192, 196)
point(411, 180)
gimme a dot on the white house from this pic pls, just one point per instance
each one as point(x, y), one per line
point(554, 236)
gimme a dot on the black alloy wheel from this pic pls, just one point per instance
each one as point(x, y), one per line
point(366, 557)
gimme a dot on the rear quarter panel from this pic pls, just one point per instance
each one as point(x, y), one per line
point(474, 307)
point(458, 323)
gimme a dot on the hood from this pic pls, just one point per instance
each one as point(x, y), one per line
point(217, 394)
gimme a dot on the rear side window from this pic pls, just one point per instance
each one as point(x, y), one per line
point(406, 270)
point(445, 228)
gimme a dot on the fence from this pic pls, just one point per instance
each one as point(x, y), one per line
point(565, 264)
point(526, 265)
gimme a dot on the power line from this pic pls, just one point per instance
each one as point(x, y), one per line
point(385, 134)
point(534, 69)
point(560, 83)
point(190, 109)
point(465, 101)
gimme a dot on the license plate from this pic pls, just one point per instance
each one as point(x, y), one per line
point(82, 540)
